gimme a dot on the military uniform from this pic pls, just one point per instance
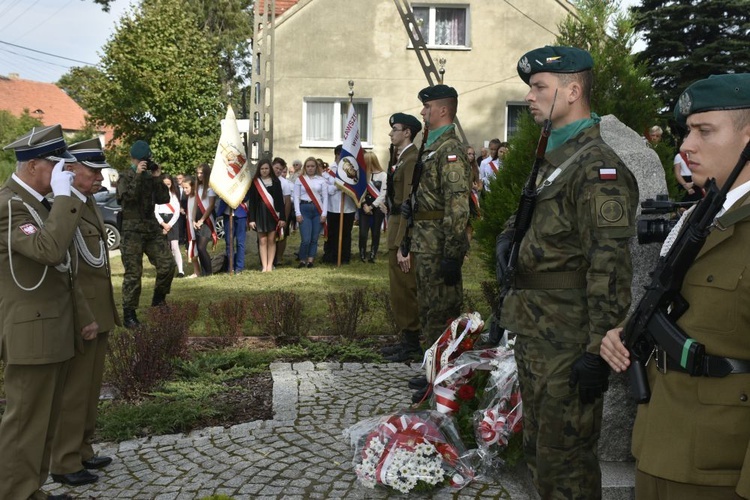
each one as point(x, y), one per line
point(80, 399)
point(696, 430)
point(439, 233)
point(141, 233)
point(571, 285)
point(38, 305)
point(403, 286)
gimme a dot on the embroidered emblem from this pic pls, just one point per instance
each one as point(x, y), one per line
point(524, 65)
point(608, 174)
point(454, 177)
point(611, 211)
point(28, 229)
point(685, 103)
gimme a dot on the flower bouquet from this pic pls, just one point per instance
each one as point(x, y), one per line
point(459, 337)
point(410, 452)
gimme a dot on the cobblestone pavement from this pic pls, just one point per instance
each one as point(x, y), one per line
point(301, 454)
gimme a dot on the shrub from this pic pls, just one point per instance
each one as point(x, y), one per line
point(491, 292)
point(383, 298)
point(346, 311)
point(142, 357)
point(279, 315)
point(226, 319)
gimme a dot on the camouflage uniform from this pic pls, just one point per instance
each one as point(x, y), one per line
point(572, 284)
point(439, 232)
point(141, 233)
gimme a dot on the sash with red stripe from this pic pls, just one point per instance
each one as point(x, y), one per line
point(315, 201)
point(190, 229)
point(209, 220)
point(268, 202)
point(475, 199)
point(494, 167)
point(374, 192)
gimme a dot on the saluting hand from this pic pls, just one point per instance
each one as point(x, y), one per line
point(61, 180)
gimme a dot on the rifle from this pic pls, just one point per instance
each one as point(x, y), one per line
point(653, 323)
point(389, 178)
point(526, 206)
point(411, 201)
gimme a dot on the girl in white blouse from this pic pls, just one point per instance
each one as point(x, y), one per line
point(311, 207)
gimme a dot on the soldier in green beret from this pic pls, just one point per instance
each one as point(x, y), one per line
point(403, 282)
point(572, 279)
point(441, 213)
point(42, 306)
point(139, 189)
point(692, 439)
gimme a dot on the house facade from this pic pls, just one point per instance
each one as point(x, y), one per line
point(320, 45)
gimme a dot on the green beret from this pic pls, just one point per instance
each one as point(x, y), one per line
point(406, 120)
point(437, 92)
point(553, 60)
point(717, 92)
point(42, 142)
point(140, 150)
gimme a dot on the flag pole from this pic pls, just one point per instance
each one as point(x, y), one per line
point(341, 209)
point(231, 240)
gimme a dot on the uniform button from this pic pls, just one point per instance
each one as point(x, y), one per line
point(743, 398)
point(38, 315)
point(710, 278)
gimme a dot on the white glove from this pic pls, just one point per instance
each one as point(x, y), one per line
point(61, 180)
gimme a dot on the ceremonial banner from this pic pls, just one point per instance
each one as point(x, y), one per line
point(230, 176)
point(351, 177)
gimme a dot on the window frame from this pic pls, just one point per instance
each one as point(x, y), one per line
point(432, 16)
point(338, 103)
point(508, 105)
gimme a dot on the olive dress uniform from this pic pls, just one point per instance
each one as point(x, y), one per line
point(75, 429)
point(403, 286)
point(37, 332)
point(439, 231)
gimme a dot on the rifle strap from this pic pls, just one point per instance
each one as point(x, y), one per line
point(559, 170)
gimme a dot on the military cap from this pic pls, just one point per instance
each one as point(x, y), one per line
point(42, 142)
point(89, 153)
point(550, 59)
point(437, 92)
point(717, 92)
point(406, 120)
point(140, 150)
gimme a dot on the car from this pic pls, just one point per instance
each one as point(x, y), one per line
point(110, 208)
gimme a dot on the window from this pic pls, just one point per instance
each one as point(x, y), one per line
point(513, 114)
point(324, 120)
point(443, 26)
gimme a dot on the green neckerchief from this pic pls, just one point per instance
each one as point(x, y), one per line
point(561, 135)
point(434, 135)
point(134, 167)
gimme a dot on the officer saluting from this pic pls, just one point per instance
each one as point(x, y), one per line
point(38, 302)
point(72, 453)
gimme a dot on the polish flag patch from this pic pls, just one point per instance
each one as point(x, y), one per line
point(28, 229)
point(452, 158)
point(608, 174)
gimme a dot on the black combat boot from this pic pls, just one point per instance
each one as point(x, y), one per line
point(362, 252)
point(371, 260)
point(411, 350)
point(158, 299)
point(129, 319)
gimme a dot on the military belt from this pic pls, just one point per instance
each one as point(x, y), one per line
point(711, 366)
point(429, 215)
point(559, 280)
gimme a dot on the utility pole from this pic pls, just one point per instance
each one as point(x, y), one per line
point(261, 105)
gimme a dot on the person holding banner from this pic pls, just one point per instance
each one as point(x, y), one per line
point(203, 217)
point(168, 216)
point(266, 215)
point(311, 207)
point(372, 211)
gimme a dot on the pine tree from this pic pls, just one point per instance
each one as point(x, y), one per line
point(688, 40)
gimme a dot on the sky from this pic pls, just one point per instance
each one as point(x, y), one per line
point(72, 29)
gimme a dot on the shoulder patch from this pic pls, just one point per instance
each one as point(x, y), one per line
point(608, 174)
point(611, 211)
point(453, 176)
point(28, 229)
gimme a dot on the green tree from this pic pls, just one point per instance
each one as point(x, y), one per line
point(621, 88)
point(159, 82)
point(77, 83)
point(11, 128)
point(688, 40)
